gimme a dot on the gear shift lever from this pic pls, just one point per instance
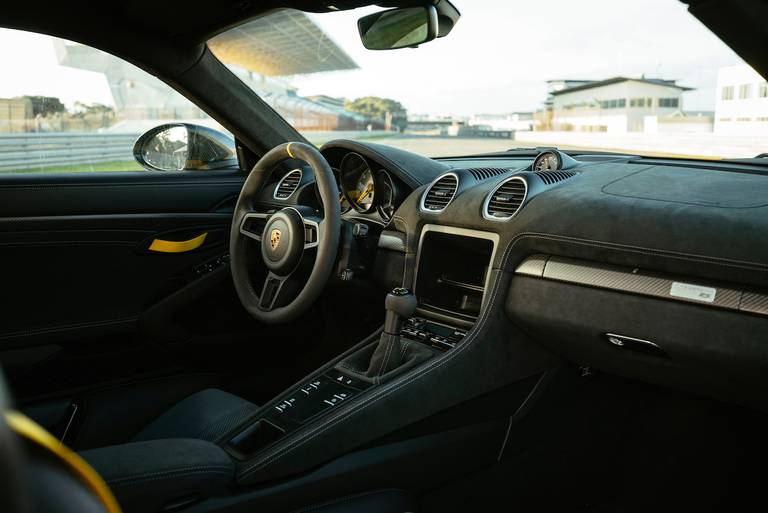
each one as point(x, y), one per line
point(400, 305)
point(390, 356)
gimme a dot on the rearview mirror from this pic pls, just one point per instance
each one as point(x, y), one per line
point(407, 26)
point(183, 146)
point(398, 28)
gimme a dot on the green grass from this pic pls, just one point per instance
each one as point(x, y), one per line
point(120, 165)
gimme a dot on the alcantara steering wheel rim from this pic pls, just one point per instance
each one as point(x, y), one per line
point(285, 236)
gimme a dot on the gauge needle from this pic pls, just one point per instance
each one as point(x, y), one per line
point(365, 193)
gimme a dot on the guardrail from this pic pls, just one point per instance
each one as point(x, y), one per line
point(40, 151)
point(25, 152)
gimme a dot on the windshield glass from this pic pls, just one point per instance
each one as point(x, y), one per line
point(641, 77)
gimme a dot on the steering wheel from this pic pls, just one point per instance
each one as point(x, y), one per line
point(286, 238)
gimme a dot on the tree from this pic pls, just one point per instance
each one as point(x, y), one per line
point(45, 105)
point(375, 107)
point(82, 110)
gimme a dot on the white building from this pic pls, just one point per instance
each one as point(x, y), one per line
point(497, 122)
point(615, 105)
point(741, 107)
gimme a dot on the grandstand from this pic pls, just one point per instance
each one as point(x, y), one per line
point(263, 53)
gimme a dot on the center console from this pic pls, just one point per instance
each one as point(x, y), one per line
point(451, 278)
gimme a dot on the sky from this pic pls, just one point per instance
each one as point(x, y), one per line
point(30, 67)
point(496, 60)
point(501, 53)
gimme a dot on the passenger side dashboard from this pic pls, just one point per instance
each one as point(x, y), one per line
point(694, 231)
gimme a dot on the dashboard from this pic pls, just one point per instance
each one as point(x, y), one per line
point(651, 268)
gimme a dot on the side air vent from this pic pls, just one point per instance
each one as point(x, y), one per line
point(440, 193)
point(550, 177)
point(482, 173)
point(288, 185)
point(506, 199)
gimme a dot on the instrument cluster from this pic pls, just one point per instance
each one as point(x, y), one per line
point(365, 188)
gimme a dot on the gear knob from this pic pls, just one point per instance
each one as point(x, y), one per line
point(400, 304)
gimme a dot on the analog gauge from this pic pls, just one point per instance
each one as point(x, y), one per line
point(387, 194)
point(343, 203)
point(357, 182)
point(547, 161)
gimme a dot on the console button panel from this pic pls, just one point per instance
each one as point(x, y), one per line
point(315, 396)
point(440, 336)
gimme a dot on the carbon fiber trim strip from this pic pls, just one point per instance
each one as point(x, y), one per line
point(754, 303)
point(533, 266)
point(636, 281)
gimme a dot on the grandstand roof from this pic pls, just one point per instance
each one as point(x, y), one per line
point(617, 80)
point(285, 42)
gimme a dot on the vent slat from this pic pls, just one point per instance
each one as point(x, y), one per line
point(288, 184)
point(506, 200)
point(483, 173)
point(552, 177)
point(440, 194)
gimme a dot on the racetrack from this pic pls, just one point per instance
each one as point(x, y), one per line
point(432, 146)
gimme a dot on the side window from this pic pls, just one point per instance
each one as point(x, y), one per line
point(69, 108)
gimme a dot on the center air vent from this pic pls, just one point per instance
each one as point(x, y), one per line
point(481, 173)
point(506, 199)
point(288, 185)
point(550, 177)
point(440, 193)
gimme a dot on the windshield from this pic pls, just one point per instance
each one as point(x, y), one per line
point(641, 77)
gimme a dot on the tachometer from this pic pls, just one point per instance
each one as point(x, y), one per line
point(357, 182)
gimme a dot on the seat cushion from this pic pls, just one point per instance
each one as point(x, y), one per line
point(149, 476)
point(206, 415)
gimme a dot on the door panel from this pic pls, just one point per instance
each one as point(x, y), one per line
point(68, 279)
point(23, 195)
point(79, 272)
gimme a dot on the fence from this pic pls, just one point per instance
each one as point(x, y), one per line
point(24, 152)
point(41, 151)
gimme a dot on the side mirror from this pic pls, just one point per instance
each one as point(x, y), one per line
point(407, 26)
point(183, 146)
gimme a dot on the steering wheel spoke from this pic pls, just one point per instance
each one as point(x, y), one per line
point(312, 227)
point(252, 225)
point(274, 291)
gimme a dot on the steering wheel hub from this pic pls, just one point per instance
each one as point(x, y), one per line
point(283, 241)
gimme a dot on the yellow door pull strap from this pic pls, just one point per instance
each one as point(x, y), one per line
point(182, 246)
